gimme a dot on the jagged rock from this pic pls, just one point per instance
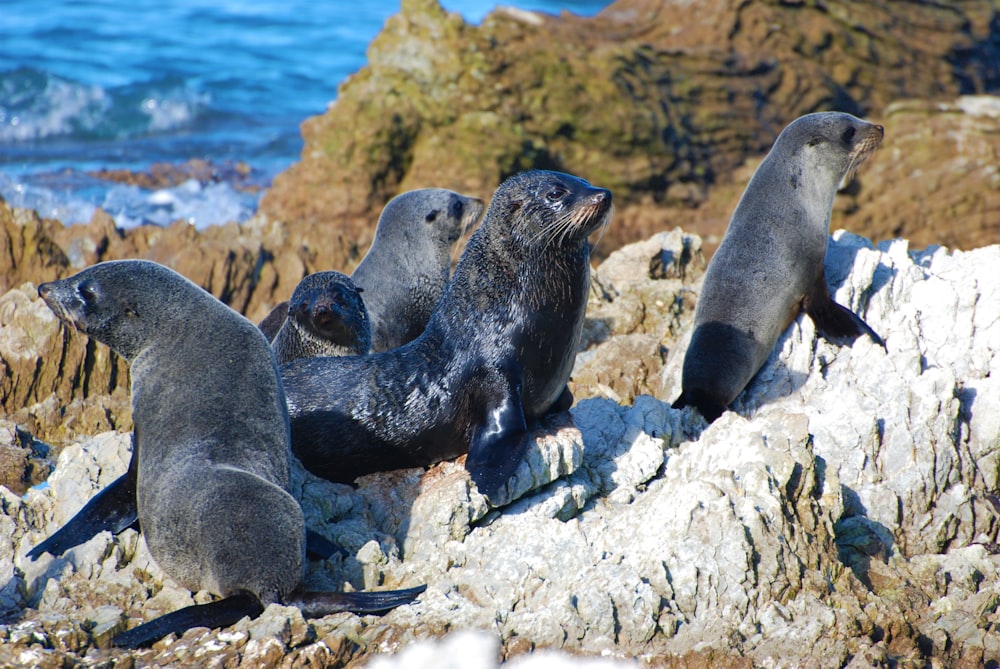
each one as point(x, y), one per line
point(240, 176)
point(842, 514)
point(641, 294)
point(42, 360)
point(27, 250)
point(655, 100)
point(24, 461)
point(940, 162)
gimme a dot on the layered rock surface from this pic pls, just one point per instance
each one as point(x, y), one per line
point(843, 515)
point(658, 101)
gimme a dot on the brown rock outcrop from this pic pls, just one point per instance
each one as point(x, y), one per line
point(47, 371)
point(655, 100)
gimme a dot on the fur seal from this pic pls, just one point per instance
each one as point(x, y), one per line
point(404, 272)
point(211, 445)
point(769, 266)
point(326, 316)
point(496, 354)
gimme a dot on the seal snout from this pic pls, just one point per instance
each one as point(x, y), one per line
point(50, 294)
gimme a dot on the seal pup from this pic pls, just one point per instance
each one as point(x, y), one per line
point(495, 356)
point(326, 316)
point(769, 266)
point(211, 445)
point(404, 272)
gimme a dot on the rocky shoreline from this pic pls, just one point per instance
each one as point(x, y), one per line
point(845, 514)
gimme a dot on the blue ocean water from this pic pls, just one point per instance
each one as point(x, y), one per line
point(91, 84)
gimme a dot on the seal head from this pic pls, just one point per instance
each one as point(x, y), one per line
point(326, 316)
point(405, 271)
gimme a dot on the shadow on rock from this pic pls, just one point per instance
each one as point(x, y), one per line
point(860, 539)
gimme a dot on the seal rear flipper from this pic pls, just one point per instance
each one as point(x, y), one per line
point(319, 604)
point(113, 509)
point(835, 320)
point(222, 613)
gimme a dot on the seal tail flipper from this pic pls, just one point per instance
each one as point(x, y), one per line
point(222, 613)
point(113, 509)
point(706, 406)
point(319, 604)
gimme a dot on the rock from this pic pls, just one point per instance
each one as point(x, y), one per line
point(641, 294)
point(240, 176)
point(939, 162)
point(842, 514)
point(41, 359)
point(656, 101)
point(24, 461)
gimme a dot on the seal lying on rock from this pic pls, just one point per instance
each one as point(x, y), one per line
point(495, 356)
point(326, 316)
point(405, 271)
point(769, 266)
point(211, 447)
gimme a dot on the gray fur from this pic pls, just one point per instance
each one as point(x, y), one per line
point(404, 273)
point(769, 266)
point(326, 316)
point(211, 427)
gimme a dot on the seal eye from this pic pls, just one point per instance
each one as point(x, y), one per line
point(431, 217)
point(556, 193)
point(848, 134)
point(88, 292)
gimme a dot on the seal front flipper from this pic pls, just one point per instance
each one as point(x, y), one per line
point(222, 613)
point(319, 547)
point(319, 604)
point(563, 403)
point(835, 320)
point(113, 509)
point(499, 441)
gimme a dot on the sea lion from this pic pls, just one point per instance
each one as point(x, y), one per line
point(404, 272)
point(326, 316)
point(769, 266)
point(495, 356)
point(211, 445)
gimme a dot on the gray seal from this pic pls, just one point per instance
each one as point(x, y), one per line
point(326, 316)
point(404, 273)
point(769, 266)
point(211, 445)
point(495, 356)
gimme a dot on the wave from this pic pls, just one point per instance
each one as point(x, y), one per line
point(71, 196)
point(36, 105)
